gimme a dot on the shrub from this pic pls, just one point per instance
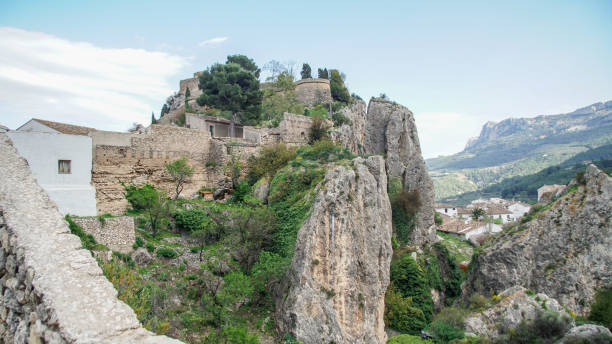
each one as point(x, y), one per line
point(477, 302)
point(580, 178)
point(318, 130)
point(139, 242)
point(452, 315)
point(404, 207)
point(547, 327)
point(338, 90)
point(444, 333)
point(407, 339)
point(154, 203)
point(190, 220)
point(269, 161)
point(339, 119)
point(324, 151)
point(601, 310)
point(150, 247)
point(232, 335)
point(166, 252)
point(437, 218)
point(241, 191)
point(409, 279)
point(401, 314)
point(87, 240)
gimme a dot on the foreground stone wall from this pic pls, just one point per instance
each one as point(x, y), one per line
point(52, 290)
point(117, 233)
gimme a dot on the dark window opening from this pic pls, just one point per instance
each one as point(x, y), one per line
point(63, 166)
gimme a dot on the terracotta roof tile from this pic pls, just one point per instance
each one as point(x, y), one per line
point(66, 128)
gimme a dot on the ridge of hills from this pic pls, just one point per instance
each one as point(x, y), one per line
point(518, 147)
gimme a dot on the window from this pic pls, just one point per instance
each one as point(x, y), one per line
point(63, 166)
point(212, 130)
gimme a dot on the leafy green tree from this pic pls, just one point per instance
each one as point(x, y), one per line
point(409, 279)
point(180, 171)
point(306, 71)
point(153, 120)
point(269, 270)
point(338, 90)
point(477, 213)
point(165, 109)
point(230, 87)
point(401, 314)
point(204, 233)
point(284, 82)
point(154, 203)
point(323, 74)
point(318, 130)
point(245, 62)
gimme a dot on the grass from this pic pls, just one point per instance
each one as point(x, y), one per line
point(459, 248)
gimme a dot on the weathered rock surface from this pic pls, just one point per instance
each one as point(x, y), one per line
point(566, 252)
point(547, 193)
point(514, 306)
point(391, 131)
point(53, 290)
point(587, 334)
point(336, 285)
point(352, 135)
point(262, 189)
point(141, 256)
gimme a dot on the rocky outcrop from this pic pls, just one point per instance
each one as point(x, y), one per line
point(336, 284)
point(566, 252)
point(514, 305)
point(547, 193)
point(391, 131)
point(587, 334)
point(352, 135)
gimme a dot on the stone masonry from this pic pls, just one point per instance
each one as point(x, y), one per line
point(313, 91)
point(52, 290)
point(117, 233)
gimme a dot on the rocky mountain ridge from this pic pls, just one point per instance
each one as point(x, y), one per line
point(565, 252)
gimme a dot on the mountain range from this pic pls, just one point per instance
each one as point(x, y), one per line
point(518, 147)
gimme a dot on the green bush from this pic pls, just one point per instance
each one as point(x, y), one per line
point(166, 252)
point(408, 339)
point(601, 310)
point(438, 218)
point(580, 178)
point(232, 335)
point(444, 333)
point(339, 119)
point(318, 130)
point(404, 207)
point(409, 279)
point(547, 327)
point(338, 90)
point(139, 242)
point(191, 220)
point(324, 151)
point(401, 314)
point(269, 161)
point(241, 192)
point(452, 315)
point(150, 247)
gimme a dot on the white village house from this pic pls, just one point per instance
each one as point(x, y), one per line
point(60, 157)
point(446, 209)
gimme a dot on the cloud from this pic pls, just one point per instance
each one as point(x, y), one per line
point(445, 133)
point(214, 40)
point(42, 75)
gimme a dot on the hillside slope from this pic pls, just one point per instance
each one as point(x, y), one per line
point(521, 146)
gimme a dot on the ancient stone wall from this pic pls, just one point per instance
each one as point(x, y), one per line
point(117, 233)
point(313, 91)
point(294, 129)
point(52, 290)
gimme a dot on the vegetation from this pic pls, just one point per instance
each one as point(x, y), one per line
point(401, 314)
point(547, 327)
point(306, 71)
point(410, 281)
point(153, 203)
point(323, 73)
point(407, 339)
point(180, 171)
point(404, 208)
point(338, 90)
point(318, 130)
point(478, 213)
point(269, 161)
point(601, 310)
point(87, 240)
point(231, 87)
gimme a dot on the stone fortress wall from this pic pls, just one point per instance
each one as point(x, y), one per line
point(52, 290)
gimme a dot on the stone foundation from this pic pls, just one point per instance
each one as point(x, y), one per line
point(117, 233)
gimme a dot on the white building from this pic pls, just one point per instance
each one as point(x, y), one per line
point(518, 210)
point(61, 163)
point(446, 209)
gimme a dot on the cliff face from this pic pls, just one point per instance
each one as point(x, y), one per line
point(352, 135)
point(566, 252)
point(340, 271)
point(390, 130)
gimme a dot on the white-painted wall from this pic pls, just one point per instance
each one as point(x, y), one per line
point(73, 193)
point(33, 125)
point(447, 211)
point(518, 210)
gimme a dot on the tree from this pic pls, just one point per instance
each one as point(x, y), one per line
point(231, 88)
point(153, 120)
point(204, 233)
point(180, 171)
point(306, 71)
point(154, 204)
point(318, 130)
point(244, 62)
point(477, 213)
point(338, 90)
point(323, 74)
point(274, 68)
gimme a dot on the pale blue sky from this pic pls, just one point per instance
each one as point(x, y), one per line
point(455, 64)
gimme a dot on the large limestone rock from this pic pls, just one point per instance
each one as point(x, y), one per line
point(391, 131)
point(566, 252)
point(587, 334)
point(340, 271)
point(352, 135)
point(514, 306)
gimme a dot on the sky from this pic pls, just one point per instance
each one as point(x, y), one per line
point(454, 64)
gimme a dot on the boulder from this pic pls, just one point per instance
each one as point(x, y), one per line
point(335, 287)
point(261, 190)
point(390, 131)
point(141, 256)
point(586, 334)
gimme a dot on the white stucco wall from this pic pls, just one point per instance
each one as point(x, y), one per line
point(33, 125)
point(73, 193)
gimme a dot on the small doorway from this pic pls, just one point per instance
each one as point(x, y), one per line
point(211, 128)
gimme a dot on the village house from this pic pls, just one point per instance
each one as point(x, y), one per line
point(60, 157)
point(446, 209)
point(216, 126)
point(466, 229)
